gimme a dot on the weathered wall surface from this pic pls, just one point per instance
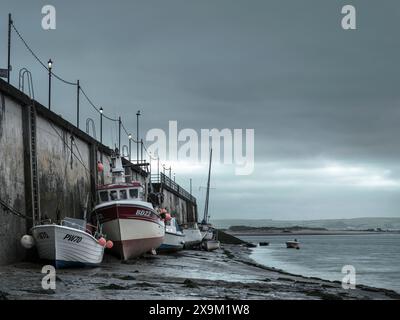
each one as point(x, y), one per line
point(11, 180)
point(64, 171)
point(185, 211)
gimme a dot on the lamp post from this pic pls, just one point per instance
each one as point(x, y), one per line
point(78, 89)
point(130, 145)
point(137, 136)
point(119, 134)
point(50, 66)
point(190, 186)
point(101, 124)
point(9, 48)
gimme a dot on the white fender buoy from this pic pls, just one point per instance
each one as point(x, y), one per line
point(27, 241)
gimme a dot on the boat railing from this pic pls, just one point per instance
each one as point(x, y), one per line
point(68, 223)
point(45, 221)
point(168, 182)
point(189, 225)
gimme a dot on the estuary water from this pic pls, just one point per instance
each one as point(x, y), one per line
point(375, 257)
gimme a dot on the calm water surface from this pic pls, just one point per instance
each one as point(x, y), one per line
point(376, 257)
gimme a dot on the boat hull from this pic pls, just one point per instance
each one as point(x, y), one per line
point(211, 245)
point(292, 245)
point(67, 247)
point(172, 242)
point(193, 237)
point(134, 228)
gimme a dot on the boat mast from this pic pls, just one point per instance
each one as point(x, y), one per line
point(118, 171)
point(205, 218)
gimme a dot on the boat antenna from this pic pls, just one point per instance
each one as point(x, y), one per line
point(205, 218)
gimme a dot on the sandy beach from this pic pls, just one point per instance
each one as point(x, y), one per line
point(227, 273)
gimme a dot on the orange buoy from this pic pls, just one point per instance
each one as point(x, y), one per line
point(100, 166)
point(109, 244)
point(102, 241)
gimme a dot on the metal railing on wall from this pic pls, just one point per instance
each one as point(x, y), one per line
point(166, 181)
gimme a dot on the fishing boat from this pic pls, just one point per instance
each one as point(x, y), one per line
point(68, 244)
point(193, 236)
point(209, 234)
point(293, 244)
point(174, 239)
point(127, 218)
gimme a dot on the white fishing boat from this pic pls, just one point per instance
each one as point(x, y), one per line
point(127, 218)
point(174, 239)
point(68, 244)
point(193, 236)
point(293, 244)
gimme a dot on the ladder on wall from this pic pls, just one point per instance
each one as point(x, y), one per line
point(33, 145)
point(34, 166)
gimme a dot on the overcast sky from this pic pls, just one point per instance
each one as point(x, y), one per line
point(324, 102)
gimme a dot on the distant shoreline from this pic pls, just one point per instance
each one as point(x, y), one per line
point(306, 233)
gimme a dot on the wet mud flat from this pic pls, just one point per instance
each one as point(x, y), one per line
point(227, 273)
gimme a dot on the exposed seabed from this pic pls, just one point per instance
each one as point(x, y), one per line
point(227, 273)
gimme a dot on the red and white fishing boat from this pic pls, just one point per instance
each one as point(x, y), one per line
point(131, 222)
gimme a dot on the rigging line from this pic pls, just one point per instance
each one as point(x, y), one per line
point(94, 106)
point(56, 76)
point(127, 133)
point(38, 59)
point(151, 157)
point(80, 155)
point(72, 151)
point(7, 207)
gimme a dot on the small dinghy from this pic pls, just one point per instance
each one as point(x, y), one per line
point(174, 237)
point(293, 244)
point(211, 245)
point(68, 244)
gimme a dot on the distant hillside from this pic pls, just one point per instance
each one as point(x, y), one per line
point(271, 229)
point(330, 224)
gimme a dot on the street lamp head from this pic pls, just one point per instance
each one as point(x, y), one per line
point(101, 110)
point(138, 113)
point(129, 136)
point(50, 64)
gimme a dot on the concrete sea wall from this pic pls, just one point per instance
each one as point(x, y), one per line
point(66, 172)
point(12, 180)
point(38, 145)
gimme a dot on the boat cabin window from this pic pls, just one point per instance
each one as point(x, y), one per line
point(114, 195)
point(133, 193)
point(103, 196)
point(123, 195)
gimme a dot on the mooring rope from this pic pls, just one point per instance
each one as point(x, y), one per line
point(7, 208)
